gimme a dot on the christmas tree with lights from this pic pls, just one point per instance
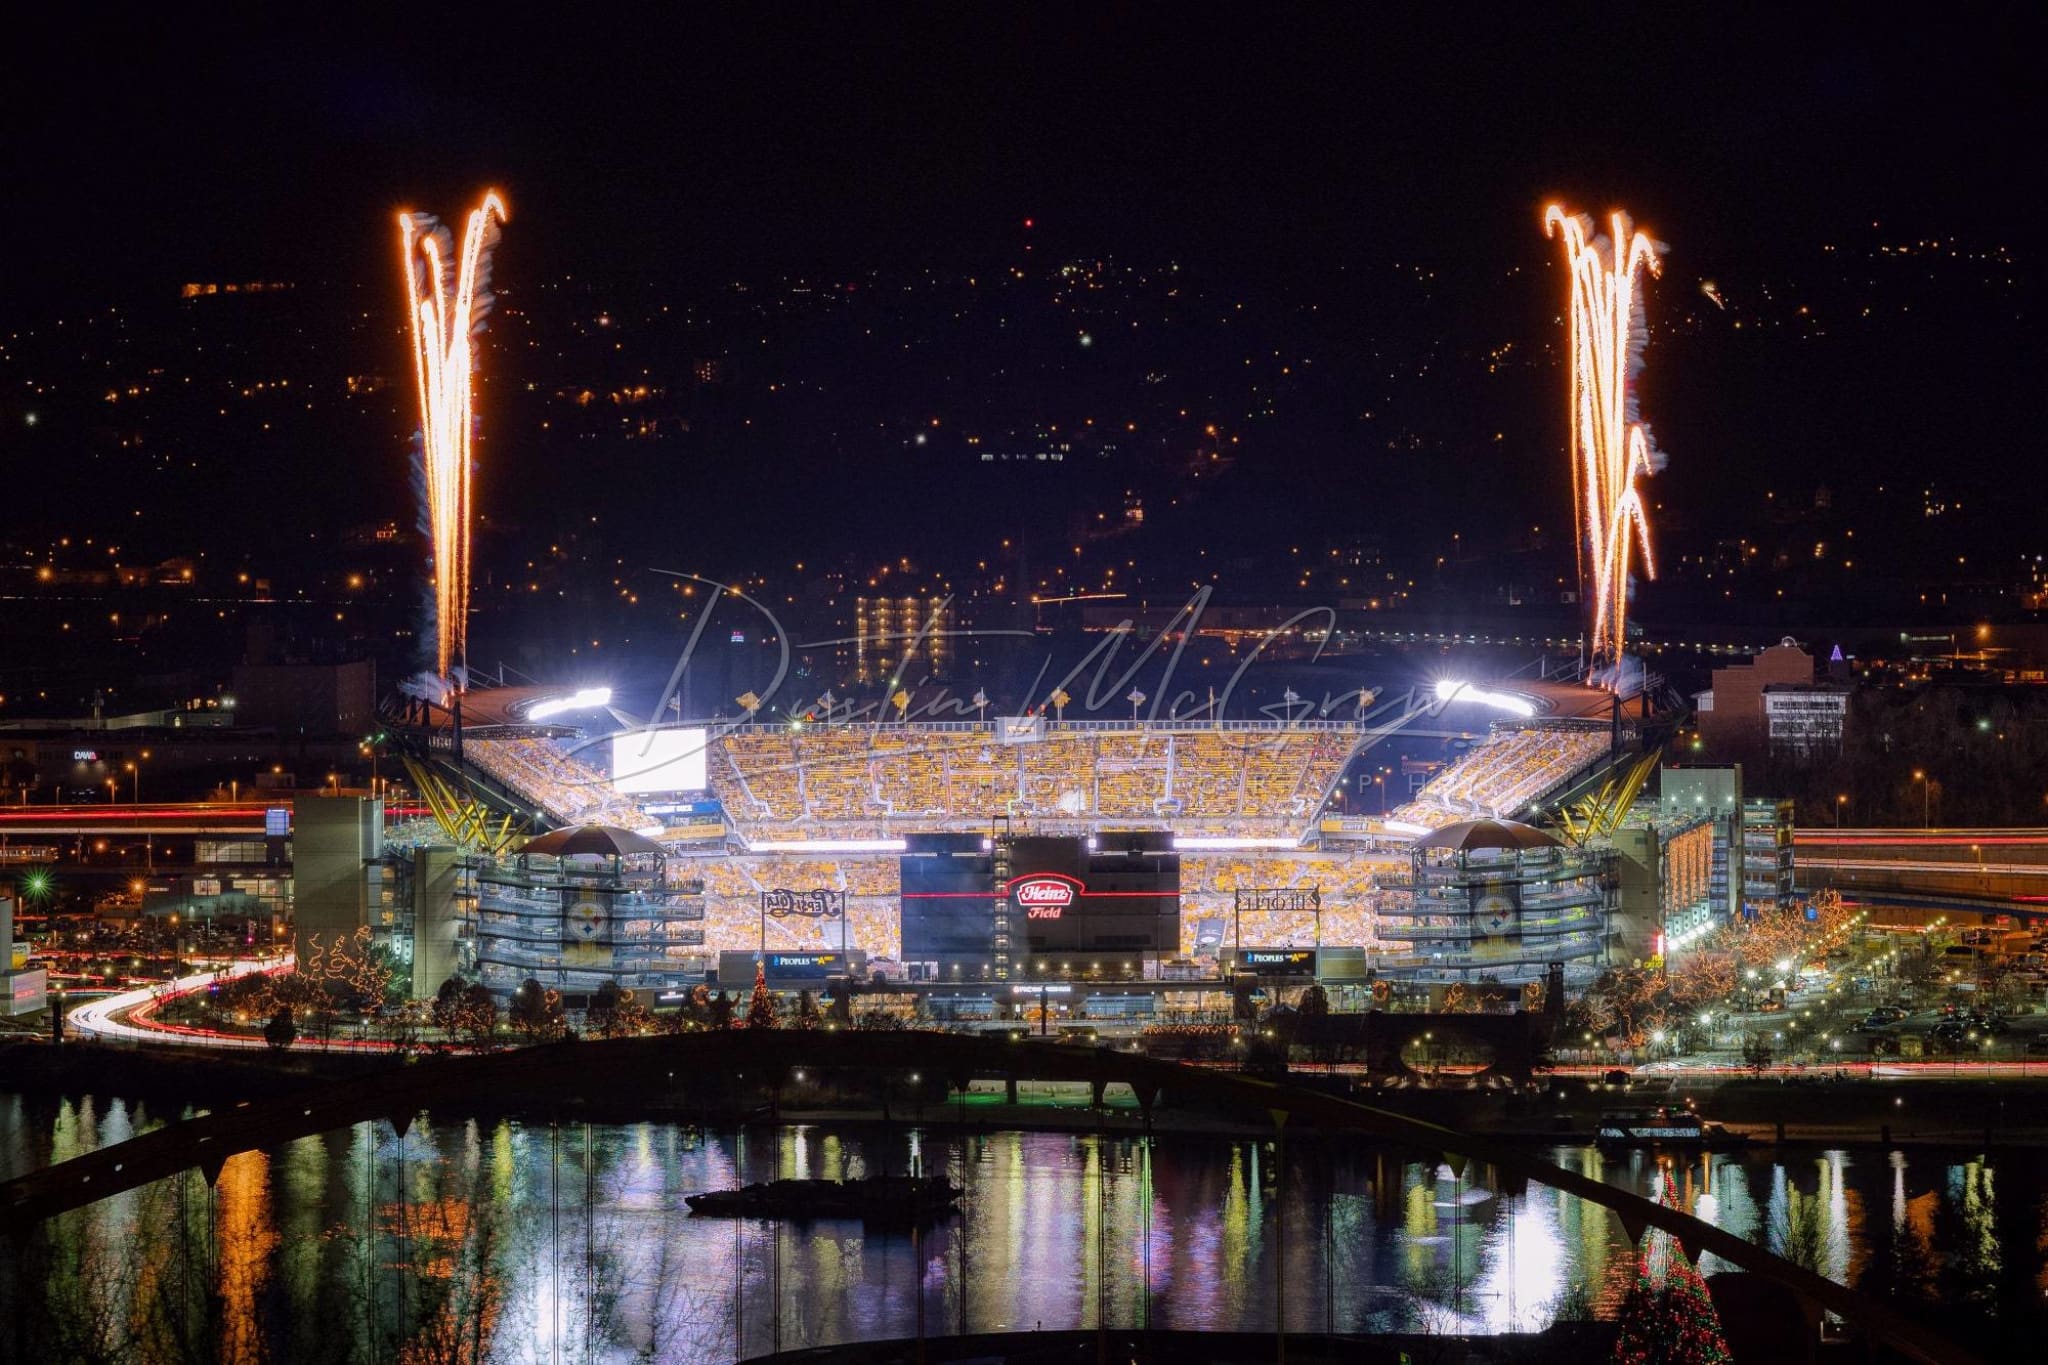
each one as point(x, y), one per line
point(1669, 1321)
point(761, 1009)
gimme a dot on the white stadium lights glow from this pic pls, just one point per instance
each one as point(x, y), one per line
point(1504, 701)
point(1407, 827)
point(1223, 844)
point(582, 699)
point(831, 846)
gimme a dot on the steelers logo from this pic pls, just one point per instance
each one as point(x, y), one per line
point(1496, 914)
point(586, 921)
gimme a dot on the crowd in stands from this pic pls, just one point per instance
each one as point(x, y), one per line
point(733, 885)
point(1209, 884)
point(1503, 776)
point(856, 780)
point(568, 789)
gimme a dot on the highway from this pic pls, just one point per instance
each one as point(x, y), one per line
point(102, 1018)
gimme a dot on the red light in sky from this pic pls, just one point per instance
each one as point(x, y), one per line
point(1028, 222)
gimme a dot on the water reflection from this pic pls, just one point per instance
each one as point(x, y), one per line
point(515, 1242)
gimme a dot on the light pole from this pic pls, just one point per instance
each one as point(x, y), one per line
point(1841, 800)
point(1926, 798)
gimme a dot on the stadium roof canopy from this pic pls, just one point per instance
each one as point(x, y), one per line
point(1470, 836)
point(588, 841)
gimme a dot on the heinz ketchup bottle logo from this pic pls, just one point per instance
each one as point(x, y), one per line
point(1044, 895)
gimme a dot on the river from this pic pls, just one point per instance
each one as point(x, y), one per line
point(514, 1241)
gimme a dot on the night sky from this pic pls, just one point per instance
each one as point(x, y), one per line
point(1279, 141)
point(1309, 237)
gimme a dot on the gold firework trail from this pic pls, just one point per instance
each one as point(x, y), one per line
point(1609, 446)
point(447, 297)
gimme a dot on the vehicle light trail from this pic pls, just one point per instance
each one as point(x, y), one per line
point(447, 298)
point(1610, 448)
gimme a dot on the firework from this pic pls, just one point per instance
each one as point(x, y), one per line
point(447, 297)
point(1610, 448)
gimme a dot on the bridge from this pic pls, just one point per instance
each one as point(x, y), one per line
point(127, 820)
point(568, 1076)
point(1991, 870)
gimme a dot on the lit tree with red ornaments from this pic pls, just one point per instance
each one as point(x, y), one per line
point(761, 1009)
point(1669, 1319)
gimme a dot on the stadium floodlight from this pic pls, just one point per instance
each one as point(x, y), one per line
point(583, 699)
point(831, 846)
point(1407, 827)
point(1446, 690)
point(1224, 844)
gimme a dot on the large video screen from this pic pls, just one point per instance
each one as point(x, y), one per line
point(1122, 894)
point(658, 761)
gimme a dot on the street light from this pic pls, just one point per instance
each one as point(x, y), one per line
point(1926, 798)
point(1841, 800)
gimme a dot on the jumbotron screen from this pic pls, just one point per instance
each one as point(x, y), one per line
point(1122, 895)
point(646, 761)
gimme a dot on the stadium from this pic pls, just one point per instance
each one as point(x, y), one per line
point(1121, 866)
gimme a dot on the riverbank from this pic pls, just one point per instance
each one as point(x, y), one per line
point(1946, 1112)
point(1562, 1341)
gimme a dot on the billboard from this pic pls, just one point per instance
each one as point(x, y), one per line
point(1114, 893)
point(949, 894)
point(668, 760)
point(822, 903)
point(1278, 961)
point(1117, 892)
point(804, 966)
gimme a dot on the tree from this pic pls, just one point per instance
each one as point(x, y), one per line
point(448, 1006)
point(840, 995)
point(721, 1011)
point(1756, 1052)
point(604, 1007)
point(478, 1016)
point(806, 1011)
point(370, 970)
point(761, 1007)
point(281, 1031)
point(537, 1012)
point(1669, 1322)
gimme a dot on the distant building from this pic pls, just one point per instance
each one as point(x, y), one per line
point(1712, 792)
point(1766, 854)
point(1803, 722)
point(307, 699)
point(1732, 716)
point(905, 638)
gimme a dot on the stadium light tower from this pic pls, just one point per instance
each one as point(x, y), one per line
point(1609, 446)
